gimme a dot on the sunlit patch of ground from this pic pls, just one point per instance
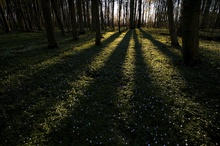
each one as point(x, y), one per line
point(132, 90)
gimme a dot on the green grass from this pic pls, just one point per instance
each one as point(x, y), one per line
point(130, 90)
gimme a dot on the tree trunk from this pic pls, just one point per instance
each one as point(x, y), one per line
point(73, 18)
point(172, 27)
point(49, 24)
point(113, 6)
point(191, 10)
point(139, 19)
point(102, 17)
point(58, 15)
point(95, 5)
point(205, 17)
point(5, 22)
point(119, 16)
point(81, 23)
point(132, 14)
point(88, 14)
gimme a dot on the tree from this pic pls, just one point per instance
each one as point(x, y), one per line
point(172, 27)
point(5, 22)
point(191, 11)
point(131, 14)
point(95, 5)
point(205, 14)
point(49, 24)
point(119, 15)
point(73, 18)
point(139, 15)
point(113, 6)
point(58, 15)
point(81, 23)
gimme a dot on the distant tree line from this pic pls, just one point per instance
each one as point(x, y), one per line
point(182, 17)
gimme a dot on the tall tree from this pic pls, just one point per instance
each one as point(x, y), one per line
point(119, 15)
point(139, 15)
point(52, 43)
point(73, 18)
point(131, 25)
point(81, 23)
point(191, 11)
point(205, 17)
point(5, 21)
point(113, 6)
point(58, 15)
point(172, 27)
point(95, 5)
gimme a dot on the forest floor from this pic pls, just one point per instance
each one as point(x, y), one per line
point(131, 90)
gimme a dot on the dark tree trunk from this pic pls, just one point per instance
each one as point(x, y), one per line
point(8, 3)
point(5, 22)
point(102, 17)
point(58, 15)
point(119, 16)
point(95, 5)
point(73, 19)
point(113, 6)
point(49, 24)
point(172, 27)
point(131, 14)
point(81, 23)
point(139, 16)
point(205, 17)
point(88, 15)
point(191, 10)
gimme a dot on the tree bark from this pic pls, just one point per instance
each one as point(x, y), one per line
point(132, 14)
point(73, 18)
point(172, 27)
point(58, 15)
point(119, 16)
point(48, 24)
point(139, 16)
point(113, 6)
point(191, 10)
point(205, 17)
point(81, 23)
point(95, 4)
point(5, 22)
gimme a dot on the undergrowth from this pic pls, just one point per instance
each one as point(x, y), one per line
point(131, 90)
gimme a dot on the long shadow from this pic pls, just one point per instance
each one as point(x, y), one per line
point(195, 79)
point(25, 104)
point(148, 119)
point(161, 47)
point(94, 119)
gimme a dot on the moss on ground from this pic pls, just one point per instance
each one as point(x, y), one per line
point(131, 90)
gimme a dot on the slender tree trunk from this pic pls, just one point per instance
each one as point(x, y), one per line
point(88, 15)
point(139, 17)
point(102, 17)
point(8, 3)
point(93, 17)
point(58, 15)
point(113, 6)
point(172, 27)
point(119, 16)
point(81, 23)
point(73, 18)
point(205, 17)
point(95, 5)
point(132, 14)
point(5, 22)
point(84, 13)
point(49, 24)
point(191, 10)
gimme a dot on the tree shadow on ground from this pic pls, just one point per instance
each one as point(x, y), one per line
point(27, 104)
point(94, 119)
point(195, 89)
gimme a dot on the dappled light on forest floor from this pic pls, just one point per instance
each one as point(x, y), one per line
point(131, 90)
